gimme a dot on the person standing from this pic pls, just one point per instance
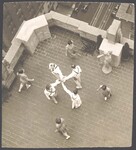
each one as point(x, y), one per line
point(61, 127)
point(50, 91)
point(126, 53)
point(71, 50)
point(106, 91)
point(76, 73)
point(55, 70)
point(24, 80)
point(75, 98)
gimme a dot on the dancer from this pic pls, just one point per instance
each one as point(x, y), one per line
point(50, 91)
point(76, 73)
point(61, 127)
point(55, 70)
point(71, 50)
point(106, 91)
point(75, 98)
point(25, 81)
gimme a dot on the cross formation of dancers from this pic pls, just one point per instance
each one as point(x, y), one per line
point(50, 90)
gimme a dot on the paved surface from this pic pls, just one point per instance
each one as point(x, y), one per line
point(28, 119)
point(98, 14)
point(85, 16)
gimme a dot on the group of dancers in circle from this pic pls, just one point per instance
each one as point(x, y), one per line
point(51, 92)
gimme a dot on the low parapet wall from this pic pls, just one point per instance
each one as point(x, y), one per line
point(80, 27)
point(10, 61)
point(74, 25)
point(33, 31)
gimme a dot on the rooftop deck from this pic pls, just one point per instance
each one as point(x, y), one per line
point(28, 119)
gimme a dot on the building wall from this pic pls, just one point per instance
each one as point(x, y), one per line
point(14, 13)
point(66, 4)
point(130, 30)
point(126, 15)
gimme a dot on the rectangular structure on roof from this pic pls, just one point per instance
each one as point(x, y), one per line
point(126, 12)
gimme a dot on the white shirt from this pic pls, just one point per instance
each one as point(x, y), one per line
point(75, 73)
point(74, 97)
point(52, 90)
point(71, 46)
point(57, 72)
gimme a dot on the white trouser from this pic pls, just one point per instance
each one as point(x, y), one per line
point(78, 81)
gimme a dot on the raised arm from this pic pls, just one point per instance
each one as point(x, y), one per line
point(55, 83)
point(99, 56)
point(99, 87)
point(109, 89)
point(69, 76)
point(47, 94)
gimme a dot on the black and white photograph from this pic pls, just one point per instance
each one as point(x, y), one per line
point(67, 74)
